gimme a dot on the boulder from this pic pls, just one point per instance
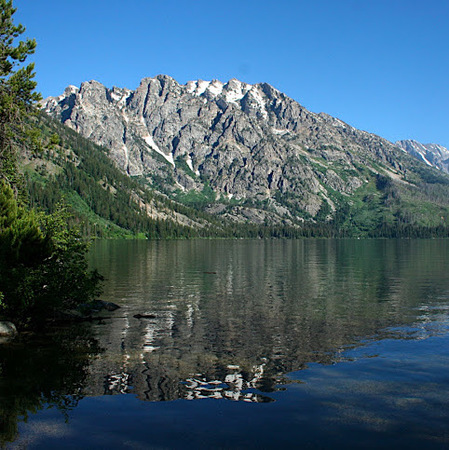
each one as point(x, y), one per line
point(111, 306)
point(7, 329)
point(97, 305)
point(108, 306)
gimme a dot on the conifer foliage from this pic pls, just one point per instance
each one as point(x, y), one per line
point(43, 264)
point(16, 88)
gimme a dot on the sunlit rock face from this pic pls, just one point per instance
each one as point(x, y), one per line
point(244, 141)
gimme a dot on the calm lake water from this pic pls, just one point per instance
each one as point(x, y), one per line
point(245, 344)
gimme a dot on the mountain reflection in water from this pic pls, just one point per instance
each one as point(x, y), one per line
point(228, 317)
point(235, 320)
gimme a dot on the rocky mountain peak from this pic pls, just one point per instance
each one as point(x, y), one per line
point(243, 141)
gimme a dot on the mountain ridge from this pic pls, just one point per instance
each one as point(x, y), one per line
point(433, 155)
point(257, 154)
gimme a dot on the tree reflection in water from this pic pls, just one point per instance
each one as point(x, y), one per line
point(38, 372)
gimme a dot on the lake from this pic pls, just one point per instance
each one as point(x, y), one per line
point(244, 344)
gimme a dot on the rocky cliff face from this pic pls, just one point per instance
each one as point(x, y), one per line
point(246, 142)
point(432, 154)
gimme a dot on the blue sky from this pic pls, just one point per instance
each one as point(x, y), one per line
point(380, 65)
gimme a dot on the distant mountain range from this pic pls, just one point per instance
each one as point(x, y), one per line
point(248, 153)
point(432, 154)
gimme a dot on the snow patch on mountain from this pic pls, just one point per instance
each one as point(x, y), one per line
point(150, 142)
point(235, 90)
point(215, 88)
point(256, 95)
point(197, 87)
point(232, 91)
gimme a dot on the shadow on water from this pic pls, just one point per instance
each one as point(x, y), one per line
point(43, 371)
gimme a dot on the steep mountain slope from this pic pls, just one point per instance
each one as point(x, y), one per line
point(249, 153)
point(107, 202)
point(432, 154)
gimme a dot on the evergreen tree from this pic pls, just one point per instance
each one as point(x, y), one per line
point(43, 265)
point(16, 89)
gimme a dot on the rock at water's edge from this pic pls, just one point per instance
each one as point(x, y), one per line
point(98, 305)
point(101, 304)
point(7, 329)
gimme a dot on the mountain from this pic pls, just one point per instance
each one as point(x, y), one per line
point(432, 154)
point(105, 201)
point(250, 154)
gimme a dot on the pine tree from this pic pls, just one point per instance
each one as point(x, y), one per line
point(43, 265)
point(17, 87)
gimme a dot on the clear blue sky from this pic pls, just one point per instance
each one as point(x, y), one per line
point(380, 65)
